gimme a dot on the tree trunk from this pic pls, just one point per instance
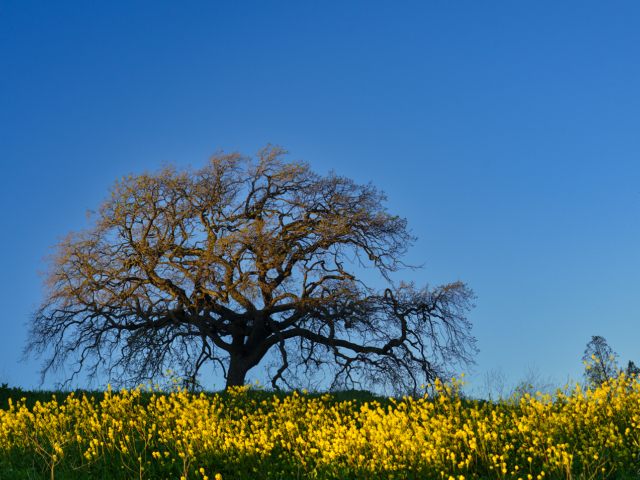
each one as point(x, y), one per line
point(238, 368)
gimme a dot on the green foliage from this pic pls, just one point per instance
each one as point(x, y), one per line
point(632, 370)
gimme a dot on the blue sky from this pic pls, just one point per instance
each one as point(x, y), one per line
point(507, 133)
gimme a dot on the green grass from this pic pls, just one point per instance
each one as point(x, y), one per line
point(30, 464)
point(359, 397)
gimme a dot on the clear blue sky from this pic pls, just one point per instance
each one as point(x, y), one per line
point(507, 133)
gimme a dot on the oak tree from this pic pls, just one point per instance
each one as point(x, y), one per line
point(244, 256)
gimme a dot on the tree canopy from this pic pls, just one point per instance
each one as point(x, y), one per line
point(602, 360)
point(244, 256)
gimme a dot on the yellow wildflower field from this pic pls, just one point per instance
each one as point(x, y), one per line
point(587, 433)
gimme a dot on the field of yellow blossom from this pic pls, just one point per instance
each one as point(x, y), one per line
point(578, 433)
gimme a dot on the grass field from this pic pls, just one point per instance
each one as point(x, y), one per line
point(578, 433)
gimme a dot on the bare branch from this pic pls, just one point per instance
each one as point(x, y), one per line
point(220, 265)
